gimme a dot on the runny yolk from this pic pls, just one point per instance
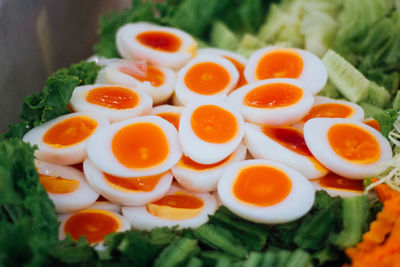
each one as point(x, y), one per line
point(70, 131)
point(374, 124)
point(214, 124)
point(279, 64)
point(353, 143)
point(140, 145)
point(58, 185)
point(153, 75)
point(94, 224)
point(288, 137)
point(188, 162)
point(207, 78)
point(178, 206)
point(274, 95)
point(261, 185)
point(171, 117)
point(162, 41)
point(240, 68)
point(145, 184)
point(113, 97)
point(334, 181)
point(329, 110)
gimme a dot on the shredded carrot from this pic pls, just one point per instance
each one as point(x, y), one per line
point(383, 191)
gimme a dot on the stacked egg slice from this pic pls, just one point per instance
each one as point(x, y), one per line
point(169, 133)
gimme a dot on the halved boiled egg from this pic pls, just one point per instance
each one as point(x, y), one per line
point(142, 146)
point(272, 102)
point(63, 140)
point(204, 177)
point(285, 145)
point(210, 130)
point(66, 187)
point(336, 185)
point(179, 207)
point(117, 103)
point(158, 82)
point(94, 224)
point(127, 191)
point(161, 46)
point(205, 76)
point(373, 123)
point(169, 113)
point(278, 62)
point(349, 148)
point(238, 60)
point(265, 191)
point(104, 204)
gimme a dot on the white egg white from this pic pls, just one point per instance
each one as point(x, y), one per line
point(183, 94)
point(262, 146)
point(130, 48)
point(202, 151)
point(100, 149)
point(272, 116)
point(78, 102)
point(81, 198)
point(141, 219)
point(315, 135)
point(65, 155)
point(314, 73)
point(205, 180)
point(298, 202)
point(125, 197)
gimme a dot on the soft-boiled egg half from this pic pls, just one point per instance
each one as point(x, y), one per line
point(63, 140)
point(205, 76)
point(142, 146)
point(169, 113)
point(132, 191)
point(373, 123)
point(104, 204)
point(349, 148)
point(158, 82)
point(272, 102)
point(336, 185)
point(210, 130)
point(265, 191)
point(285, 145)
point(66, 187)
point(94, 224)
point(117, 103)
point(238, 60)
point(179, 207)
point(204, 177)
point(278, 62)
point(161, 46)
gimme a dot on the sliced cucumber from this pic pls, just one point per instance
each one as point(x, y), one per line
point(377, 95)
point(370, 110)
point(347, 79)
point(221, 36)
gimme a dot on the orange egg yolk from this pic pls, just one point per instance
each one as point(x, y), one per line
point(179, 206)
point(275, 95)
point(58, 185)
point(189, 163)
point(207, 78)
point(171, 117)
point(94, 224)
point(162, 41)
point(153, 75)
point(113, 97)
point(353, 143)
point(261, 185)
point(240, 68)
point(214, 124)
point(329, 110)
point(140, 145)
point(374, 124)
point(70, 131)
point(288, 137)
point(334, 181)
point(144, 184)
point(279, 64)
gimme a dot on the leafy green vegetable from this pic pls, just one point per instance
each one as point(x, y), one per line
point(386, 120)
point(180, 250)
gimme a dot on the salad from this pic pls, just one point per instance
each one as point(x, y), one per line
point(336, 226)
